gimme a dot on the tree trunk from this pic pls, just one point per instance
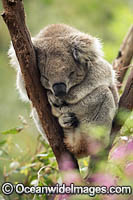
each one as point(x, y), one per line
point(14, 17)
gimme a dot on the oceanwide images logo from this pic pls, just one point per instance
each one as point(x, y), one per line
point(8, 188)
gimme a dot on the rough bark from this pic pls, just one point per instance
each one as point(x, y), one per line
point(126, 100)
point(121, 64)
point(125, 104)
point(125, 56)
point(14, 18)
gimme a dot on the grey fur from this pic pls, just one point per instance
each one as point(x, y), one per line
point(74, 58)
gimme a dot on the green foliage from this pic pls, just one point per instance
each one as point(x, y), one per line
point(12, 131)
point(39, 170)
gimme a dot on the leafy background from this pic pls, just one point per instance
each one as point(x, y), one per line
point(22, 151)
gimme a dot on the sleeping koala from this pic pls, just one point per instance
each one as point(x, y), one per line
point(81, 86)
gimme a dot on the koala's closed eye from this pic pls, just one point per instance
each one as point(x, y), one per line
point(45, 77)
point(71, 74)
point(45, 81)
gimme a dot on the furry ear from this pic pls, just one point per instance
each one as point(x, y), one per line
point(85, 48)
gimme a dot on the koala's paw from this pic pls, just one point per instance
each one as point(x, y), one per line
point(54, 101)
point(68, 120)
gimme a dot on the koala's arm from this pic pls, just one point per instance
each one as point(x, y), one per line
point(99, 108)
point(100, 102)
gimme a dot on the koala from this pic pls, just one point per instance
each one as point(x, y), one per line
point(80, 83)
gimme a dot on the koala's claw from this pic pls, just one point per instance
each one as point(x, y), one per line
point(54, 101)
point(68, 120)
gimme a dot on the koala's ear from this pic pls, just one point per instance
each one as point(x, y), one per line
point(85, 48)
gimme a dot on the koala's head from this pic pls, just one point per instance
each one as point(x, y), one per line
point(64, 58)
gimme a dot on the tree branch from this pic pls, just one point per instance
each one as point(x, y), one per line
point(125, 103)
point(125, 56)
point(120, 65)
point(14, 17)
point(126, 100)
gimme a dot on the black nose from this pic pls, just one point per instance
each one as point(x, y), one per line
point(59, 89)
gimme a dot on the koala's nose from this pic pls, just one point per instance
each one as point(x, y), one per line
point(59, 89)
